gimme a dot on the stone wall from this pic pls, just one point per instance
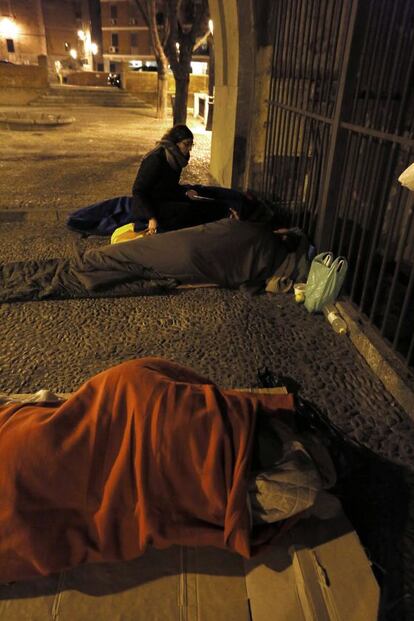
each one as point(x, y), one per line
point(19, 84)
point(88, 78)
point(143, 84)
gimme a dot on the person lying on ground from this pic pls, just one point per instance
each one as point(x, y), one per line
point(228, 253)
point(151, 453)
point(159, 202)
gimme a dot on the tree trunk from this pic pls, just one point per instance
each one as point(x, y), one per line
point(162, 95)
point(181, 95)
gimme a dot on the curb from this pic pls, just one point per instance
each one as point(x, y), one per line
point(390, 372)
point(34, 215)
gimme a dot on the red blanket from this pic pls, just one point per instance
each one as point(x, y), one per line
point(147, 452)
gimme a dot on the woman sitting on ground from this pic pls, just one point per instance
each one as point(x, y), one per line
point(159, 202)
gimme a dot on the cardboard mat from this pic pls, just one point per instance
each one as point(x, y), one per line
point(317, 572)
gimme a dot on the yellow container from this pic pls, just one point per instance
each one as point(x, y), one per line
point(299, 289)
point(126, 233)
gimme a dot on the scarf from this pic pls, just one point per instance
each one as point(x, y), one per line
point(175, 158)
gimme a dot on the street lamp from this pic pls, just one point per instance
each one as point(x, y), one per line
point(90, 48)
point(8, 28)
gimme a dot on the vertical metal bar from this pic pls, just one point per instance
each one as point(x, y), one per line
point(323, 42)
point(341, 196)
point(286, 54)
point(385, 181)
point(304, 29)
point(395, 69)
point(403, 311)
point(291, 197)
point(323, 225)
point(361, 73)
point(304, 103)
point(315, 168)
point(397, 265)
point(367, 212)
point(271, 108)
point(290, 70)
point(281, 97)
point(351, 209)
point(410, 351)
point(276, 132)
point(304, 164)
point(272, 117)
point(386, 251)
point(375, 30)
point(292, 84)
point(313, 80)
point(294, 74)
point(329, 40)
point(383, 66)
point(336, 52)
point(361, 176)
point(279, 145)
point(405, 92)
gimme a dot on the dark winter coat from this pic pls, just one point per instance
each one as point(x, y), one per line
point(158, 194)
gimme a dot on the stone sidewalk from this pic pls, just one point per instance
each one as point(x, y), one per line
point(225, 335)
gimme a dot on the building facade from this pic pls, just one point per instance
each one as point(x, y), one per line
point(126, 38)
point(61, 29)
point(22, 31)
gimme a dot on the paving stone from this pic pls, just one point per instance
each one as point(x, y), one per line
point(226, 335)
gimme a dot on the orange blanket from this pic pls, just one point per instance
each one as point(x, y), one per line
point(147, 452)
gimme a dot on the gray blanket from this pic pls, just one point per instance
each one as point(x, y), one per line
point(228, 253)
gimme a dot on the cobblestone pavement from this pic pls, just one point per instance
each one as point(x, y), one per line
point(225, 335)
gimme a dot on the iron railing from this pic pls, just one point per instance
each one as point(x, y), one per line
point(339, 133)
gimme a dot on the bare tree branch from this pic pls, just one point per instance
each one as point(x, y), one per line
point(143, 11)
point(201, 41)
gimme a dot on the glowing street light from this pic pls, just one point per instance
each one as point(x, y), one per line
point(8, 28)
point(87, 42)
point(94, 48)
point(81, 35)
point(73, 53)
point(210, 25)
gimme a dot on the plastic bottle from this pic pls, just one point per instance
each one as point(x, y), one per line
point(336, 321)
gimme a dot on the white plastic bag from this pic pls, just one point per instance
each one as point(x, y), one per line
point(407, 177)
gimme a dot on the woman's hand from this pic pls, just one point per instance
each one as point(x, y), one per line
point(152, 226)
point(191, 194)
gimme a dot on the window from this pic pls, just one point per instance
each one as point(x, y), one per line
point(112, 67)
point(10, 45)
point(77, 9)
point(160, 18)
point(114, 11)
point(134, 39)
point(114, 39)
point(100, 67)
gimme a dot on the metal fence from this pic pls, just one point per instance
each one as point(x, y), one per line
point(339, 133)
